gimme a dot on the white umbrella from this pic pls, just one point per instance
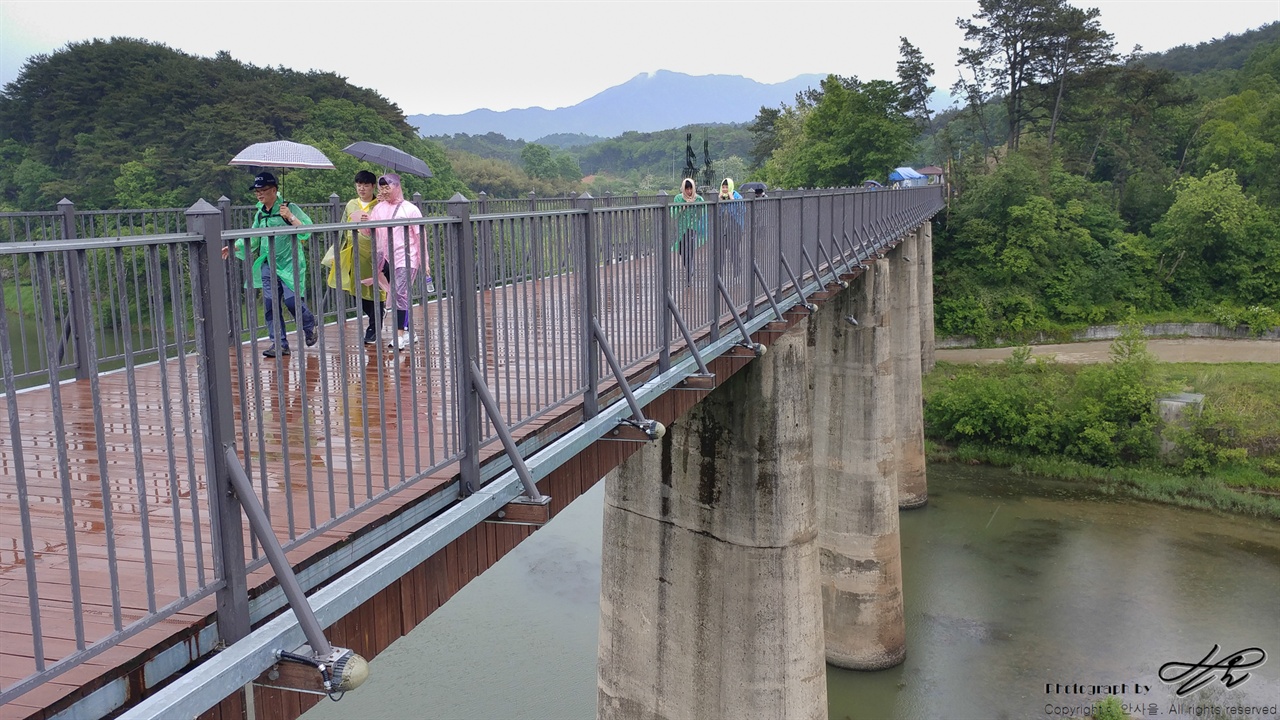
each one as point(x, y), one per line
point(282, 153)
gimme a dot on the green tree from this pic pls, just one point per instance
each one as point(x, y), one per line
point(1218, 243)
point(1074, 44)
point(764, 135)
point(141, 184)
point(913, 82)
point(537, 161)
point(1009, 35)
point(854, 131)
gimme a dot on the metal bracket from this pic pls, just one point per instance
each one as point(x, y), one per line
point(524, 511)
point(637, 431)
point(500, 425)
point(698, 381)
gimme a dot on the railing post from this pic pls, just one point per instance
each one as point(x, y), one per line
point(717, 247)
point(209, 277)
point(417, 200)
point(588, 266)
point(751, 255)
point(663, 257)
point(77, 286)
point(462, 290)
point(335, 208)
point(533, 201)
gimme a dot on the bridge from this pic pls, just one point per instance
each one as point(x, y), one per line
point(169, 494)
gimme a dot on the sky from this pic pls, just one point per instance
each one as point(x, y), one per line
point(452, 57)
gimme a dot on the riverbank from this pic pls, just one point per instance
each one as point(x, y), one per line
point(1137, 483)
point(1230, 457)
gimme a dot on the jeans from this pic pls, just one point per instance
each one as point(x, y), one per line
point(274, 291)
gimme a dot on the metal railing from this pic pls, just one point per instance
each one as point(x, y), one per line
point(116, 479)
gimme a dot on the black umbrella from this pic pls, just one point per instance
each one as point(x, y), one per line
point(752, 187)
point(387, 156)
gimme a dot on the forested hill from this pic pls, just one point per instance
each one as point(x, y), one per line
point(129, 123)
point(1224, 53)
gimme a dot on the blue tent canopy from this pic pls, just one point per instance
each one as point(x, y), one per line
point(904, 173)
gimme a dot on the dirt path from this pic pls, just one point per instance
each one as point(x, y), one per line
point(1200, 350)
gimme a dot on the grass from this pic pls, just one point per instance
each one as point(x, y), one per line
point(1241, 410)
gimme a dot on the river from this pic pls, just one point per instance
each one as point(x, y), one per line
point(1016, 590)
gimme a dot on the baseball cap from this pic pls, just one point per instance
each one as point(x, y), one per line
point(262, 180)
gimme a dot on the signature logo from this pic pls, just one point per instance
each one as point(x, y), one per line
point(1194, 676)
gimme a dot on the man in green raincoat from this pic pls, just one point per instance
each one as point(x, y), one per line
point(273, 266)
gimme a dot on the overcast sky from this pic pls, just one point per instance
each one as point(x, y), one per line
point(452, 57)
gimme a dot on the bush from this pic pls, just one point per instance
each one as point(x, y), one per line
point(1101, 414)
point(1109, 709)
point(1258, 318)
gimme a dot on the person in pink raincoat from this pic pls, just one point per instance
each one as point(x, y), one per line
point(398, 247)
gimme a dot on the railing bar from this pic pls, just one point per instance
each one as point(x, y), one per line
point(277, 335)
point(64, 468)
point(177, 290)
point(160, 333)
point(419, 342)
point(503, 381)
point(399, 275)
point(144, 516)
point(24, 506)
point(340, 325)
point(520, 234)
point(345, 361)
point(304, 381)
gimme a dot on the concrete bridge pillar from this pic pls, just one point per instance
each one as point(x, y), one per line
point(856, 476)
point(924, 239)
point(709, 600)
point(912, 488)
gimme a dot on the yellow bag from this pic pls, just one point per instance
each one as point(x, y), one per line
point(348, 258)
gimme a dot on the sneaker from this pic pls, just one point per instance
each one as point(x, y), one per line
point(370, 335)
point(276, 349)
point(400, 342)
point(311, 337)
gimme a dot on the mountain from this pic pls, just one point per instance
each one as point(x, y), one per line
point(645, 103)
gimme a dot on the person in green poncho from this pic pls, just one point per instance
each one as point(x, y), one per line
point(691, 226)
point(356, 250)
point(282, 284)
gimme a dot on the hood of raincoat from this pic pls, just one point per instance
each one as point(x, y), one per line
point(395, 193)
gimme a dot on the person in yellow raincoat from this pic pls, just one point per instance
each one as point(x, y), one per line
point(356, 262)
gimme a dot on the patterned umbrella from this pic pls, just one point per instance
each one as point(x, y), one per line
point(389, 157)
point(282, 153)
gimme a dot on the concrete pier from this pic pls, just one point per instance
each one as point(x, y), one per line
point(856, 476)
point(912, 488)
point(924, 239)
point(710, 595)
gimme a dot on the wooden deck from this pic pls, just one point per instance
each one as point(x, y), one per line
point(347, 417)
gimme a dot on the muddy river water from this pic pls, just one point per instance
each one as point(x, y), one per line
point(1024, 598)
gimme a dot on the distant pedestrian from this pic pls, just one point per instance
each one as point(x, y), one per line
point(691, 226)
point(732, 219)
point(355, 263)
point(400, 248)
point(273, 266)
